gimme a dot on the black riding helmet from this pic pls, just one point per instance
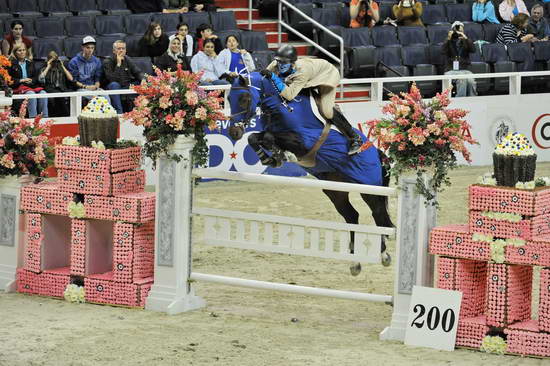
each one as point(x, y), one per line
point(286, 54)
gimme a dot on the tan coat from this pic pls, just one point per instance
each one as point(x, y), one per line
point(312, 73)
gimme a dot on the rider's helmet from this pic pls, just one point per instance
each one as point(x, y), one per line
point(286, 54)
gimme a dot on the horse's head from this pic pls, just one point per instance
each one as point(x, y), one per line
point(244, 98)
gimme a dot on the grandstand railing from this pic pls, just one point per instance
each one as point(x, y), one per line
point(249, 14)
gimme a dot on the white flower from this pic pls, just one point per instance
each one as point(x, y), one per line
point(74, 293)
point(482, 237)
point(98, 145)
point(70, 141)
point(515, 242)
point(502, 216)
point(498, 250)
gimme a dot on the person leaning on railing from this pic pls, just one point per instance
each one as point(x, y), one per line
point(56, 79)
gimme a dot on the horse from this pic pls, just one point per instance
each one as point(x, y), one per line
point(297, 127)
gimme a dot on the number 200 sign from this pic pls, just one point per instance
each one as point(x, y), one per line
point(433, 318)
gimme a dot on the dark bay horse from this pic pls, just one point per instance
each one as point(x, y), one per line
point(296, 127)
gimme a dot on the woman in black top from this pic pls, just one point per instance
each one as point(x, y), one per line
point(56, 79)
point(172, 57)
point(154, 42)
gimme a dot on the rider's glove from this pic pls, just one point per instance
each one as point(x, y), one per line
point(279, 83)
point(266, 73)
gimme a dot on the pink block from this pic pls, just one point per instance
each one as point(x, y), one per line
point(525, 339)
point(123, 266)
point(456, 241)
point(503, 199)
point(133, 207)
point(499, 228)
point(535, 252)
point(32, 260)
point(45, 198)
point(55, 281)
point(101, 183)
point(144, 286)
point(90, 159)
point(78, 247)
point(471, 331)
point(115, 293)
point(133, 253)
point(466, 276)
point(508, 294)
point(144, 251)
point(28, 282)
point(544, 300)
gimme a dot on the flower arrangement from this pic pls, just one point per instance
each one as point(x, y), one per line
point(24, 145)
point(5, 78)
point(171, 104)
point(493, 344)
point(422, 135)
point(74, 293)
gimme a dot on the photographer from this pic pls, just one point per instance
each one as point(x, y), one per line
point(170, 59)
point(408, 13)
point(363, 13)
point(56, 79)
point(457, 49)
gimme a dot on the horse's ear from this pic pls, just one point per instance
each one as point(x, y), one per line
point(242, 81)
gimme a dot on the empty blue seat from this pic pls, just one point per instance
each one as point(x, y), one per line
point(83, 7)
point(502, 85)
point(327, 41)
point(436, 56)
point(494, 52)
point(132, 47)
point(28, 26)
point(144, 64)
point(298, 22)
point(223, 20)
point(168, 22)
point(427, 88)
point(385, 11)
point(194, 20)
point(49, 27)
point(42, 46)
point(522, 54)
point(461, 12)
point(104, 45)
point(476, 55)
point(415, 55)
point(490, 31)
point(362, 61)
point(262, 58)
point(113, 7)
point(384, 35)
point(541, 50)
point(72, 46)
point(109, 25)
point(356, 37)
point(474, 31)
point(137, 23)
point(394, 72)
point(482, 85)
point(253, 41)
point(327, 16)
point(438, 33)
point(411, 35)
point(390, 55)
point(24, 8)
point(55, 8)
point(433, 14)
point(79, 26)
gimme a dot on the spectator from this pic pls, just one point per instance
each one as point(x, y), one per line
point(86, 68)
point(408, 13)
point(176, 6)
point(516, 31)
point(207, 62)
point(172, 57)
point(510, 8)
point(25, 80)
point(16, 37)
point(538, 26)
point(483, 11)
point(457, 49)
point(154, 42)
point(204, 32)
point(202, 5)
point(56, 79)
point(185, 38)
point(145, 6)
point(120, 73)
point(363, 13)
point(234, 61)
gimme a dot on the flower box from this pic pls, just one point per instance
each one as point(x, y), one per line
point(103, 289)
point(456, 241)
point(132, 207)
point(479, 223)
point(535, 252)
point(508, 294)
point(471, 331)
point(28, 282)
point(46, 198)
point(96, 160)
point(505, 199)
point(544, 300)
point(133, 251)
point(466, 276)
point(525, 338)
point(48, 283)
point(101, 183)
point(32, 260)
point(78, 247)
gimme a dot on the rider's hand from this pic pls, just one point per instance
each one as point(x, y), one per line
point(266, 73)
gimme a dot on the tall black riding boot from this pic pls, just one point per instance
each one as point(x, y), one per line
point(355, 141)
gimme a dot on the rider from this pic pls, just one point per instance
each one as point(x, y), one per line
point(291, 75)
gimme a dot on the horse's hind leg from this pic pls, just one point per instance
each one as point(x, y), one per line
point(379, 208)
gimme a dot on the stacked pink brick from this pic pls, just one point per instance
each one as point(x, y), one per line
point(111, 248)
point(497, 296)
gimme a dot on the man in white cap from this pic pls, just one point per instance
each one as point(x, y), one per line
point(86, 68)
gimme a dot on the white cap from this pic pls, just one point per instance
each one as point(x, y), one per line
point(88, 39)
point(453, 26)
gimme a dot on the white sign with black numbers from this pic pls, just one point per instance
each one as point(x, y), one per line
point(433, 318)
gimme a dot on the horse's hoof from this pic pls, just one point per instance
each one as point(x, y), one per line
point(386, 259)
point(355, 269)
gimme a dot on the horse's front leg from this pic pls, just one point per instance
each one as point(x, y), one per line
point(379, 208)
point(257, 142)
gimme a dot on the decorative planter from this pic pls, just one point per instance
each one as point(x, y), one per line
point(98, 129)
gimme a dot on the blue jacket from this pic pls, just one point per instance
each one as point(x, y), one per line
point(484, 12)
point(88, 72)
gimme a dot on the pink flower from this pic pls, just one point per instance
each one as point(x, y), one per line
point(201, 113)
point(440, 142)
point(434, 129)
point(416, 136)
point(20, 139)
point(165, 102)
point(192, 98)
point(7, 161)
point(2, 142)
point(402, 146)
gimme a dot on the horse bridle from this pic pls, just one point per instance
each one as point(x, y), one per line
point(246, 111)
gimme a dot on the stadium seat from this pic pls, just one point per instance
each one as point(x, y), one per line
point(299, 23)
point(355, 37)
point(434, 14)
point(427, 88)
point(541, 50)
point(344, 17)
point(42, 46)
point(522, 54)
point(194, 20)
point(476, 55)
point(132, 41)
point(502, 85)
point(168, 22)
point(397, 71)
point(223, 20)
point(490, 31)
point(72, 46)
point(474, 31)
point(262, 59)
point(137, 23)
point(49, 27)
point(4, 10)
point(109, 25)
point(113, 7)
point(411, 35)
point(444, 2)
point(54, 8)
point(327, 16)
point(254, 41)
point(390, 55)
point(482, 85)
point(22, 8)
point(28, 26)
point(79, 26)
point(83, 7)
point(385, 12)
point(494, 52)
point(415, 55)
point(144, 64)
point(362, 61)
point(328, 42)
point(460, 12)
point(104, 45)
point(436, 57)
point(384, 35)
point(438, 33)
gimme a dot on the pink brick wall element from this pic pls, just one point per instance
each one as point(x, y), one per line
point(466, 276)
point(78, 247)
point(508, 294)
point(544, 300)
point(28, 282)
point(499, 228)
point(145, 286)
point(144, 251)
point(526, 339)
point(502, 199)
point(45, 198)
point(456, 241)
point(535, 252)
point(55, 281)
point(132, 207)
point(133, 251)
point(101, 183)
point(100, 289)
point(33, 249)
point(90, 159)
point(471, 331)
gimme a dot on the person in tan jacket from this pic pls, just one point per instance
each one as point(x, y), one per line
point(408, 13)
point(291, 75)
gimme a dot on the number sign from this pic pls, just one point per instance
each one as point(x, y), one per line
point(433, 318)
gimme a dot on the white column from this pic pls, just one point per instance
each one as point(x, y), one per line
point(172, 291)
point(415, 265)
point(12, 232)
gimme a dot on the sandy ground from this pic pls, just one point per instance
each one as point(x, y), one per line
point(241, 326)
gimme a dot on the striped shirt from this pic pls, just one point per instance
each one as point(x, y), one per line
point(509, 34)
